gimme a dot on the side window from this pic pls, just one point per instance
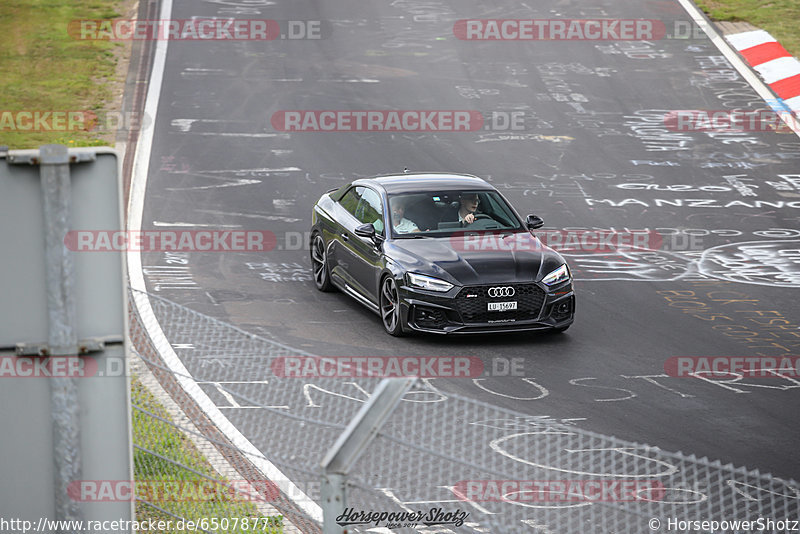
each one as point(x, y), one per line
point(370, 209)
point(350, 200)
point(365, 205)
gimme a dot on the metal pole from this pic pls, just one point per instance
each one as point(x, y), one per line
point(62, 335)
point(334, 501)
point(351, 445)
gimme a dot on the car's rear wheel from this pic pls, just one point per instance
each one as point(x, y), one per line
point(319, 263)
point(390, 307)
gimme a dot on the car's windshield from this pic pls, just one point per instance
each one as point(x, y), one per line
point(441, 213)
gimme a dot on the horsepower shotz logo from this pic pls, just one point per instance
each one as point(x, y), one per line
point(433, 517)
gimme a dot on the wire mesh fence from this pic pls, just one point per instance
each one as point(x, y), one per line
point(452, 463)
point(182, 476)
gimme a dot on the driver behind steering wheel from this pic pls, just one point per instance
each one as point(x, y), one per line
point(468, 207)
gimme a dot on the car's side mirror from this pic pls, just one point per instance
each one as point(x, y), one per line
point(365, 230)
point(368, 231)
point(533, 222)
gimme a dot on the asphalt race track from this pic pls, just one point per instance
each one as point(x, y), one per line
point(718, 276)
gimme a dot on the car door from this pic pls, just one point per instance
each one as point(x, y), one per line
point(366, 261)
point(340, 259)
point(352, 258)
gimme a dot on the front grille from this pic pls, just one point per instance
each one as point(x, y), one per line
point(472, 303)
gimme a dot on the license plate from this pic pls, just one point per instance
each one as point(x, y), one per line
point(502, 306)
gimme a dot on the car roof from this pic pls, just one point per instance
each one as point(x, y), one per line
point(427, 181)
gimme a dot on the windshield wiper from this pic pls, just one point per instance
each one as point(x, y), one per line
point(414, 235)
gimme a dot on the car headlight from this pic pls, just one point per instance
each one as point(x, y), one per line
point(429, 283)
point(558, 276)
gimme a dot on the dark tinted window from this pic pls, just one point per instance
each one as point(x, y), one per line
point(365, 205)
point(443, 212)
point(350, 200)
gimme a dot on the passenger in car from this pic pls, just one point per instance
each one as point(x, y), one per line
point(400, 224)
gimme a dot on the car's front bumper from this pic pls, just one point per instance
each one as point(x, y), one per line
point(464, 310)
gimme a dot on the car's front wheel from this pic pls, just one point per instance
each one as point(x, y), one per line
point(319, 263)
point(390, 307)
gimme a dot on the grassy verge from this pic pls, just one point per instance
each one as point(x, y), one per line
point(183, 498)
point(43, 69)
point(781, 18)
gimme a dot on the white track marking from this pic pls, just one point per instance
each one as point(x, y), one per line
point(142, 302)
point(669, 469)
point(242, 134)
point(235, 183)
point(195, 225)
point(185, 125)
point(264, 169)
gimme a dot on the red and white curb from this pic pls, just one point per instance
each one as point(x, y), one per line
point(773, 63)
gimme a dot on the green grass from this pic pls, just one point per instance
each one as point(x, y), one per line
point(165, 440)
point(781, 18)
point(42, 68)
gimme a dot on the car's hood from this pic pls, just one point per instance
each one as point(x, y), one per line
point(476, 260)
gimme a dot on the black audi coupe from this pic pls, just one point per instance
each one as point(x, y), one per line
point(439, 253)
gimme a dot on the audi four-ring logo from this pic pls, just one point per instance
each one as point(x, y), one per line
point(507, 291)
